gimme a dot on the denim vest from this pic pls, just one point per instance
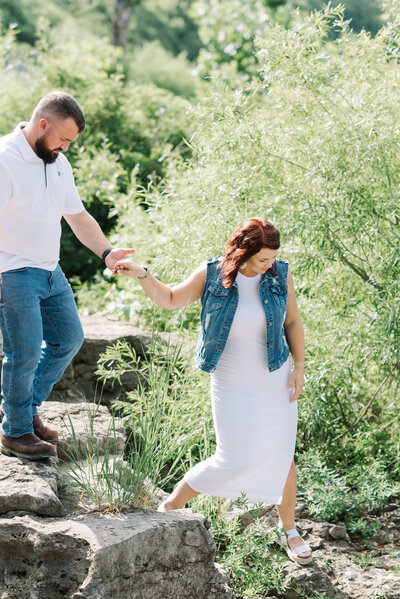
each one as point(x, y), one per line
point(218, 309)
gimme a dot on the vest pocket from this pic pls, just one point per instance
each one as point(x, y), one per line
point(216, 297)
point(279, 293)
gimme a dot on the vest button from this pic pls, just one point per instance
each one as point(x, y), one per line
point(270, 324)
point(265, 301)
point(270, 345)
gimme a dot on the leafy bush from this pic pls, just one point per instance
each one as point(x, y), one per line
point(228, 31)
point(345, 493)
point(312, 144)
point(128, 125)
point(167, 22)
point(151, 63)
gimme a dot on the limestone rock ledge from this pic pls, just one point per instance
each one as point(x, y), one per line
point(84, 427)
point(137, 555)
point(52, 547)
point(29, 487)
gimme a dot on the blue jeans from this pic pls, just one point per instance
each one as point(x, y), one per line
point(36, 305)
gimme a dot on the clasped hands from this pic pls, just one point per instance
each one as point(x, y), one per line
point(118, 263)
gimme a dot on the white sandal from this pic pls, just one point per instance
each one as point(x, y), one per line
point(293, 554)
point(161, 507)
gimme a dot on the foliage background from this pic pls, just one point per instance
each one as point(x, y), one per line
point(214, 112)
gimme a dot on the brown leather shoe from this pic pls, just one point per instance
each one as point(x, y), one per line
point(27, 446)
point(43, 431)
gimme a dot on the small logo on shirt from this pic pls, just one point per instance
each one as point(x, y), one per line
point(59, 173)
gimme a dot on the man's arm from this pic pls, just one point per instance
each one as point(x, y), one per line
point(89, 233)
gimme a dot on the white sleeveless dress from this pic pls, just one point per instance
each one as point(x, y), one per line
point(255, 423)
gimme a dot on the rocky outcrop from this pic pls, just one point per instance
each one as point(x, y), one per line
point(52, 545)
point(79, 381)
point(343, 567)
point(132, 555)
point(29, 487)
point(83, 428)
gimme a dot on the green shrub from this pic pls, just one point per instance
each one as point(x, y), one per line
point(313, 146)
point(151, 63)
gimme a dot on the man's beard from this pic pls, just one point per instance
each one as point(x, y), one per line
point(48, 156)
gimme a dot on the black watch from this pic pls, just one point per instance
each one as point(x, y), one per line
point(105, 253)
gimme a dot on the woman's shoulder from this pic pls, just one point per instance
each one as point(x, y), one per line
point(282, 261)
point(213, 271)
point(215, 260)
point(281, 267)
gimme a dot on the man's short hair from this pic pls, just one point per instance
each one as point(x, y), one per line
point(60, 105)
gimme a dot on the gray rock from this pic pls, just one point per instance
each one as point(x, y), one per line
point(252, 512)
point(80, 377)
point(339, 532)
point(312, 579)
point(386, 536)
point(29, 486)
point(40, 560)
point(83, 428)
point(301, 510)
point(132, 555)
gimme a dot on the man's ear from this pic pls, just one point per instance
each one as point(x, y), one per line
point(44, 125)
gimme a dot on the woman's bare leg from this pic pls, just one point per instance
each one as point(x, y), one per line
point(179, 497)
point(286, 509)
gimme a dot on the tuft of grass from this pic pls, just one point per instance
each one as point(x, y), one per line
point(162, 423)
point(106, 480)
point(249, 554)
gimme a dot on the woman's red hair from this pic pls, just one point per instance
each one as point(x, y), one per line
point(248, 239)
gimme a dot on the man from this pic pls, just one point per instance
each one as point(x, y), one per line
point(36, 302)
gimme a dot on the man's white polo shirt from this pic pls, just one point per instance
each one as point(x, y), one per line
point(33, 198)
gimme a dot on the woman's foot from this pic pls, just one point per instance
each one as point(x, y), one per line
point(295, 547)
point(161, 507)
point(178, 498)
point(167, 506)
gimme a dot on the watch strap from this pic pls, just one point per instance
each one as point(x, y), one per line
point(105, 253)
point(146, 275)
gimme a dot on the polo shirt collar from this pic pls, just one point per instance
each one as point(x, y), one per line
point(23, 145)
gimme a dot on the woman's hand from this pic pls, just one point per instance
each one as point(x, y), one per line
point(129, 268)
point(116, 255)
point(296, 382)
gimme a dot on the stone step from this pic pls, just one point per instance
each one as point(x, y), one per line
point(79, 379)
point(29, 486)
point(84, 428)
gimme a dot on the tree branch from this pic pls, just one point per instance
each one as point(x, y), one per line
point(365, 410)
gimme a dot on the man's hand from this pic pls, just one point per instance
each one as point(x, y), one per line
point(117, 254)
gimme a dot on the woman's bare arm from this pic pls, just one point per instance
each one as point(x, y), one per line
point(167, 297)
point(295, 335)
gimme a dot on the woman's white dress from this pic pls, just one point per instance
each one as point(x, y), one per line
point(255, 423)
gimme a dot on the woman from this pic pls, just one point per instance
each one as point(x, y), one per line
point(250, 324)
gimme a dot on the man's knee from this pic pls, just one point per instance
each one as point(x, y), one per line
point(24, 362)
point(73, 342)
